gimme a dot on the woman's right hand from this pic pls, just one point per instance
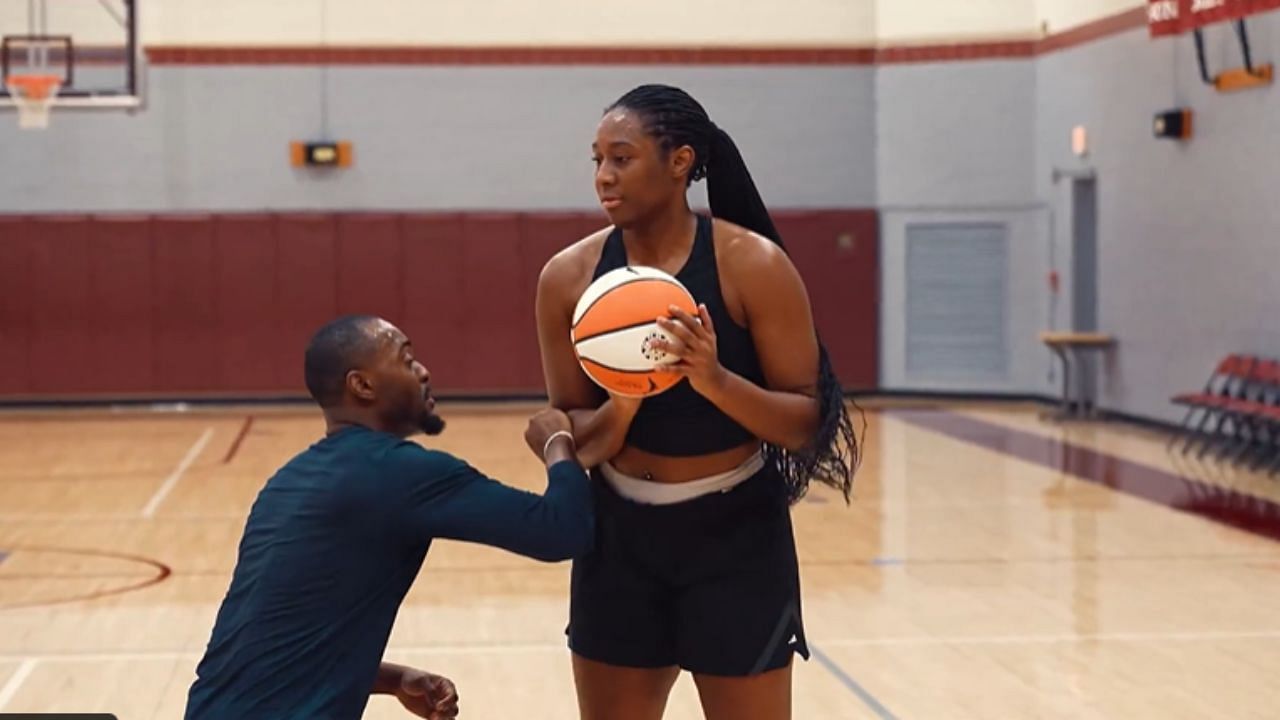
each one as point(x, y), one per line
point(627, 407)
point(602, 432)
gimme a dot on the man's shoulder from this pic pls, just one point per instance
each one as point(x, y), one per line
point(361, 443)
point(363, 453)
point(419, 461)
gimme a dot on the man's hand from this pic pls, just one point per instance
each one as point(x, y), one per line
point(428, 696)
point(543, 426)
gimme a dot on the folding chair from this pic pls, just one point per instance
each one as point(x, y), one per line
point(1255, 433)
point(1265, 416)
point(1225, 384)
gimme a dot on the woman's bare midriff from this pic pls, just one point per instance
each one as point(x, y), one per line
point(666, 469)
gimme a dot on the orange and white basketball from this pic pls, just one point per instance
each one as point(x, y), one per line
point(614, 326)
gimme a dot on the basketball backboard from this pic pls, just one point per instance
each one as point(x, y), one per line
point(87, 50)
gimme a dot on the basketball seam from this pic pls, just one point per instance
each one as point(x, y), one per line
point(618, 370)
point(610, 331)
point(623, 284)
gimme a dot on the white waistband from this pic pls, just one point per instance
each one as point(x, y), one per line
point(648, 492)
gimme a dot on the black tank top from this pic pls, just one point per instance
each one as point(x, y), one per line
point(680, 422)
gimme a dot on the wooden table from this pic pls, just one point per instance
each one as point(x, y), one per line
point(1065, 345)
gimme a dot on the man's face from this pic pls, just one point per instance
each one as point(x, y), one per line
point(402, 385)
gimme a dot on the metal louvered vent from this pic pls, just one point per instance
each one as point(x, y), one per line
point(957, 295)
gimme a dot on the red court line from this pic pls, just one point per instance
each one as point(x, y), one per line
point(1224, 506)
point(235, 444)
point(9, 577)
point(162, 572)
point(515, 55)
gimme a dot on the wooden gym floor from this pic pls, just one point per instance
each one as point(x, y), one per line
point(993, 565)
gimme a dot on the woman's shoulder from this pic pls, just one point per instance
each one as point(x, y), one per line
point(574, 265)
point(741, 251)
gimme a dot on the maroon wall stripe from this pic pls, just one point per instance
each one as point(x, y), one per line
point(515, 55)
point(955, 52)
point(388, 55)
point(816, 55)
point(1094, 31)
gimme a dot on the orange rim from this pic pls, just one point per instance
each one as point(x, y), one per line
point(35, 87)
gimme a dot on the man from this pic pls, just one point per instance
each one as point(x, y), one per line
point(337, 536)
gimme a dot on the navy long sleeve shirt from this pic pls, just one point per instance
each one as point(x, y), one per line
point(330, 548)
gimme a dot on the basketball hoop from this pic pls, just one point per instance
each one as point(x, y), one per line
point(34, 95)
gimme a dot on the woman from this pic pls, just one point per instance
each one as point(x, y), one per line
point(694, 565)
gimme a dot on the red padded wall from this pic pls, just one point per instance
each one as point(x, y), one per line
point(306, 290)
point(493, 303)
point(837, 254)
point(433, 312)
point(370, 266)
point(60, 351)
point(17, 294)
point(244, 271)
point(214, 305)
point(122, 353)
point(185, 305)
point(543, 236)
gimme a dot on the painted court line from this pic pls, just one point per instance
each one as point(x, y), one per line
point(537, 648)
point(15, 683)
point(171, 481)
point(475, 649)
point(847, 680)
point(1224, 506)
point(82, 518)
point(240, 436)
point(1046, 639)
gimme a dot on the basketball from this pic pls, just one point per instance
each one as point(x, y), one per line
point(614, 328)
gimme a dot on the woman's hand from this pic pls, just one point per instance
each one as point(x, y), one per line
point(694, 343)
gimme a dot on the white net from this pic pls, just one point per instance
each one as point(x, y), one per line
point(34, 96)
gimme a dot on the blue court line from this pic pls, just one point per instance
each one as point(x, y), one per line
point(3, 555)
point(845, 679)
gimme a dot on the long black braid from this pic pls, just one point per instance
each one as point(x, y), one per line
point(675, 119)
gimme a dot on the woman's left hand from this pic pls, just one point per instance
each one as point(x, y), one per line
point(694, 343)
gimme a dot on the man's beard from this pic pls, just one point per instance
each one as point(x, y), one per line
point(432, 424)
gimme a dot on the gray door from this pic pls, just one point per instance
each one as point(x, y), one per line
point(1084, 280)
point(1084, 255)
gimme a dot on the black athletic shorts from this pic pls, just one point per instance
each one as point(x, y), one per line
point(710, 584)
